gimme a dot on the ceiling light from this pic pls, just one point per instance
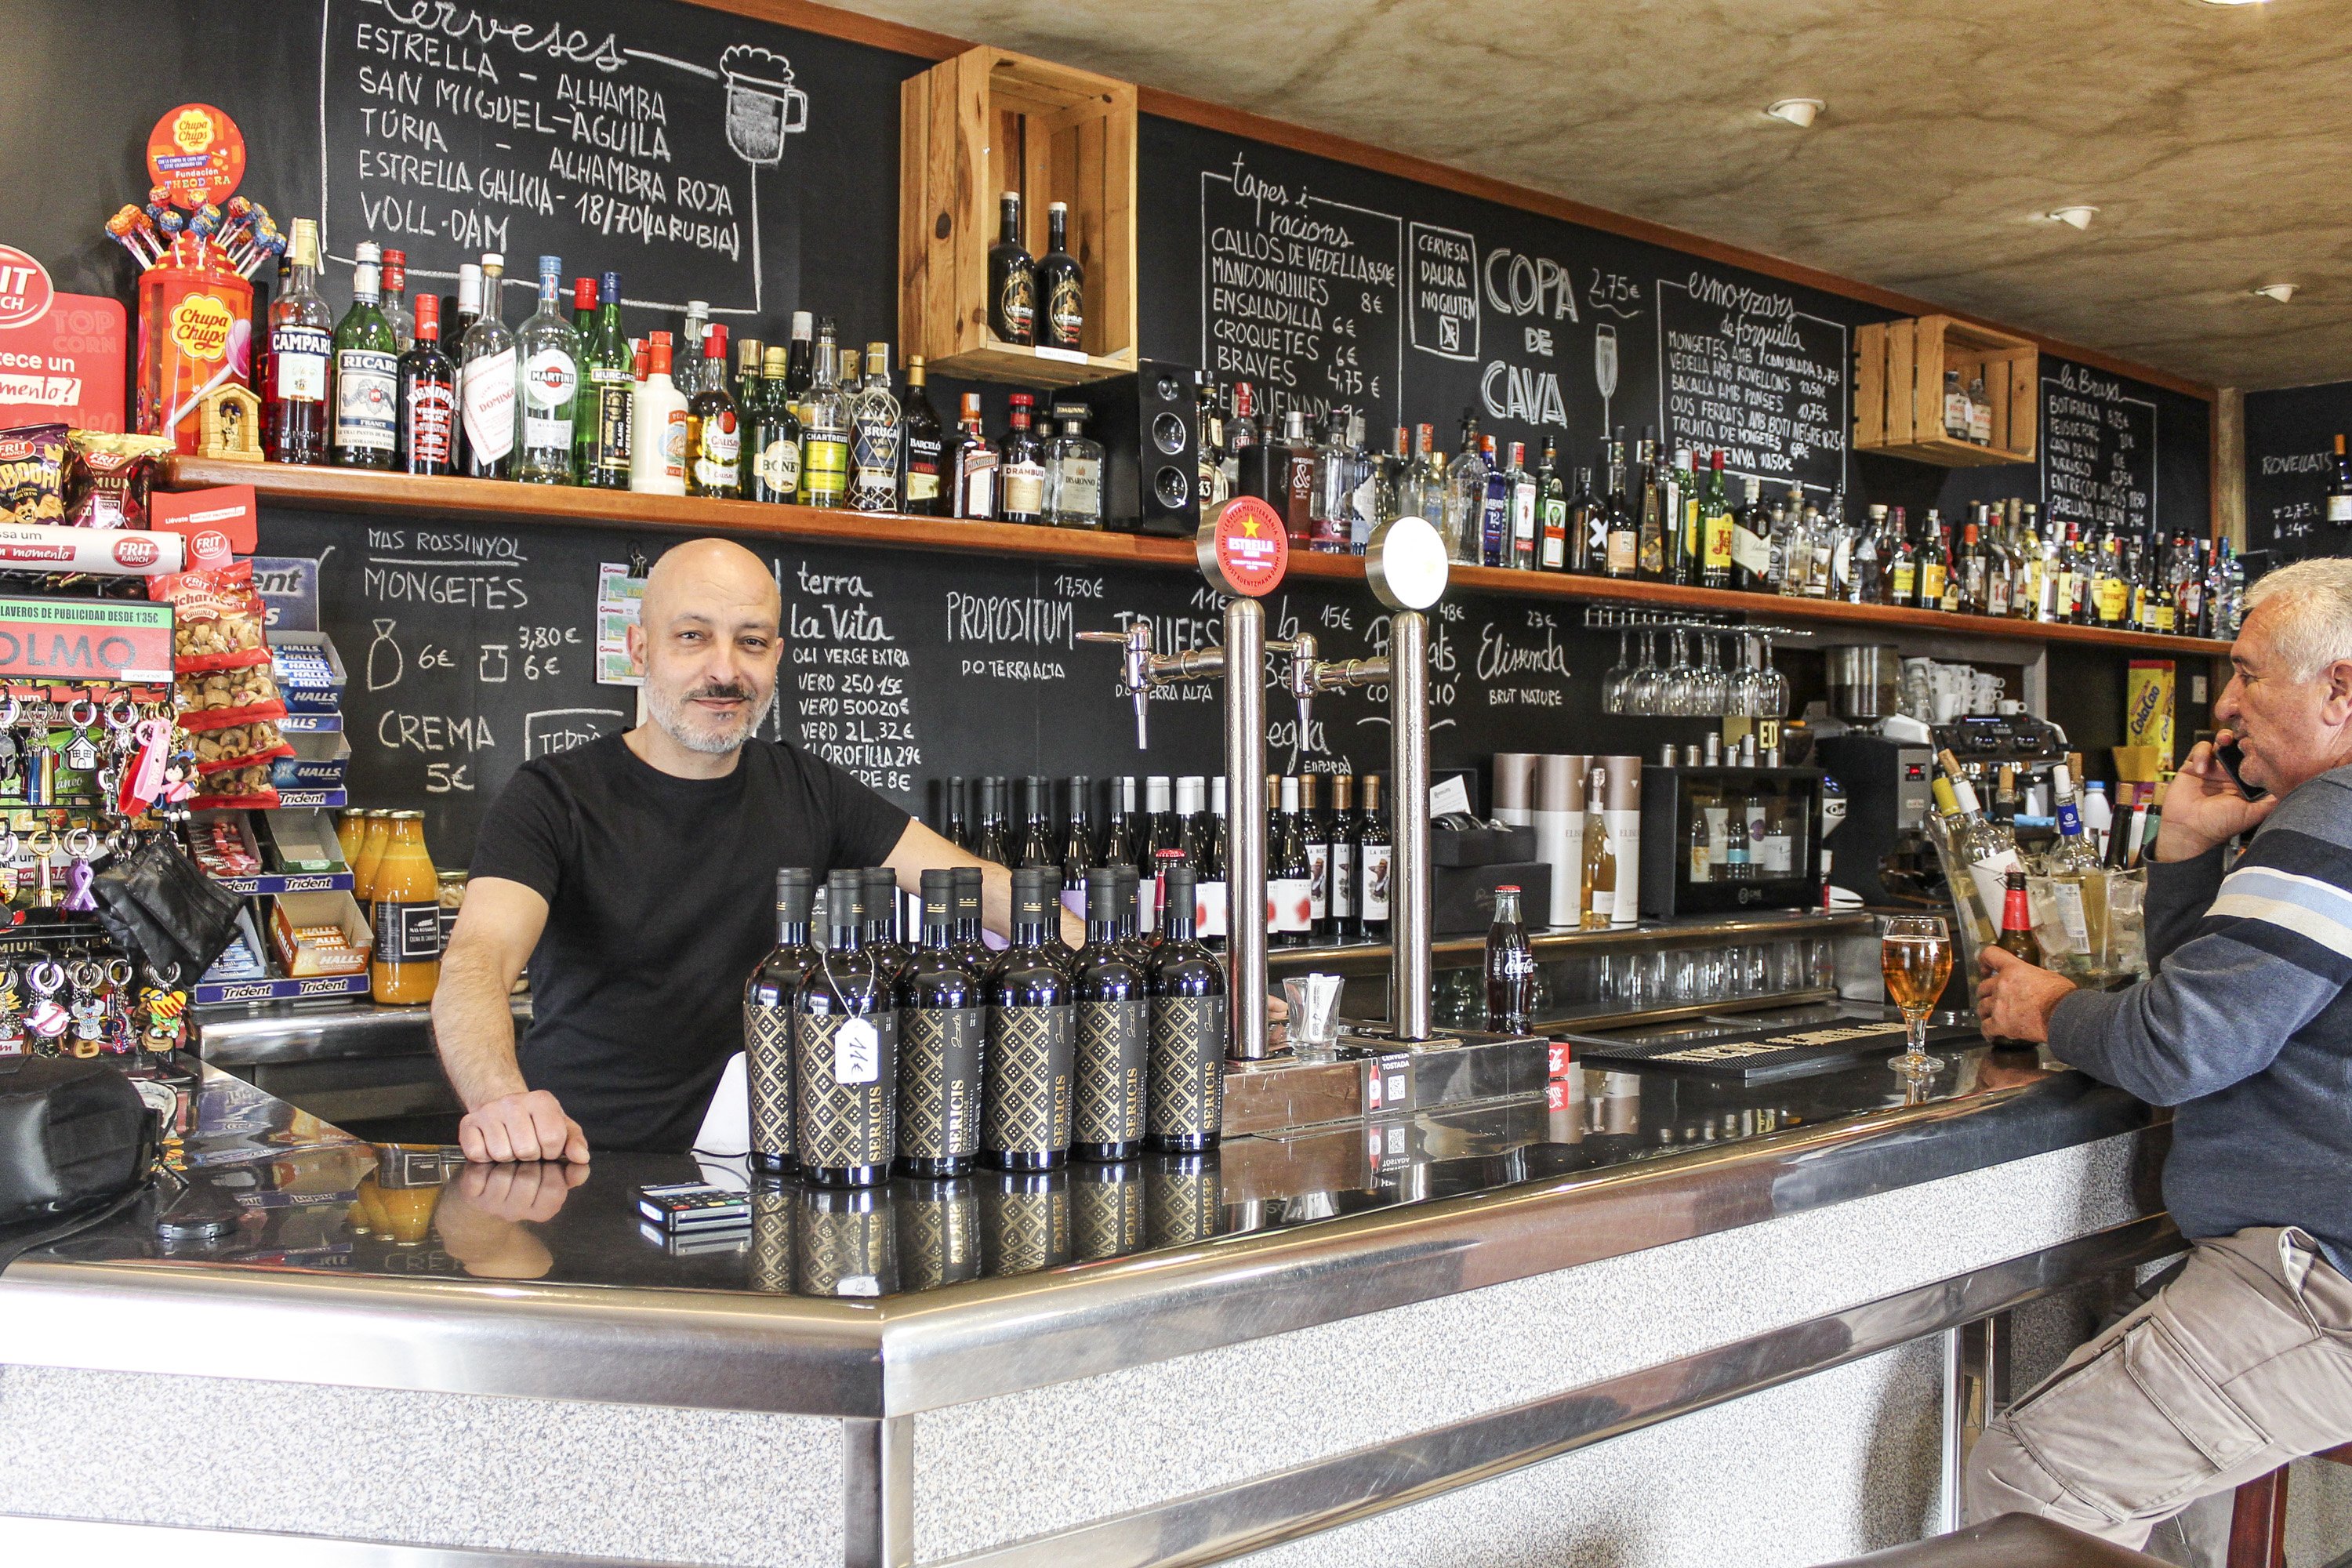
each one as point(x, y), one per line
point(2075, 216)
point(2282, 292)
point(2235, 2)
point(1797, 112)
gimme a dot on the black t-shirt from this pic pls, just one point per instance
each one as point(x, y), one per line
point(661, 896)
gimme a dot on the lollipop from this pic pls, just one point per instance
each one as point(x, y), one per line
point(127, 227)
point(238, 208)
point(158, 196)
point(171, 221)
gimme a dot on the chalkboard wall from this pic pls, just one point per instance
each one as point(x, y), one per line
point(2290, 457)
point(710, 156)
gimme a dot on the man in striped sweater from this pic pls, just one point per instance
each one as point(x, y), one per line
point(2243, 1361)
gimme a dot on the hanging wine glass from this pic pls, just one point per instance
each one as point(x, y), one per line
point(1679, 688)
point(1713, 695)
point(1612, 686)
point(1774, 702)
point(1642, 691)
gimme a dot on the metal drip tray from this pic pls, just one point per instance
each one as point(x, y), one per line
point(1376, 1075)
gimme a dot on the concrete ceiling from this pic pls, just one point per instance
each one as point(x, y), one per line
point(2212, 139)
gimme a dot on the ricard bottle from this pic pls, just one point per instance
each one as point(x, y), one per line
point(942, 1028)
point(768, 1000)
point(367, 374)
point(1032, 1025)
point(845, 1053)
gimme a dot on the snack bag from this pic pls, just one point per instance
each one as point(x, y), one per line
point(107, 477)
point(218, 617)
point(237, 746)
point(210, 699)
point(33, 474)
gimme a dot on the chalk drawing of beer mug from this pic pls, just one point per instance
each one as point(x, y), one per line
point(763, 107)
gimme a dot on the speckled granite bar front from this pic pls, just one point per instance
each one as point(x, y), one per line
point(608, 1480)
point(1025, 1465)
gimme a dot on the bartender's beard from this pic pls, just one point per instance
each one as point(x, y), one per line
point(683, 723)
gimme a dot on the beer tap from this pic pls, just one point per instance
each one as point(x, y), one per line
point(1305, 675)
point(1242, 551)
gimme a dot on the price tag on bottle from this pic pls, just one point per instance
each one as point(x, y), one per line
point(857, 1052)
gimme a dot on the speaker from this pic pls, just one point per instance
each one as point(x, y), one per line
point(1149, 427)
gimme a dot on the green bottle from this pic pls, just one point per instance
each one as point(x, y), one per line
point(773, 449)
point(367, 373)
point(608, 404)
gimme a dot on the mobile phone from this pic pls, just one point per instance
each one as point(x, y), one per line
point(2231, 757)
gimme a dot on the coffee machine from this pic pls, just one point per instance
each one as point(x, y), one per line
point(1882, 852)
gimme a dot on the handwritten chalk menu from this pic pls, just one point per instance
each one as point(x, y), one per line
point(852, 682)
point(526, 127)
point(2290, 458)
point(1742, 371)
point(1300, 295)
point(2099, 456)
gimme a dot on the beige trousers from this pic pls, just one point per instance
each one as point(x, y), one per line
point(2242, 1362)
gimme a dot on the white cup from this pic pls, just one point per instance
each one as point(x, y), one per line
point(1984, 692)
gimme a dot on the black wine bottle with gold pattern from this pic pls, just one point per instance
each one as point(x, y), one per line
point(1026, 1103)
point(1185, 1097)
point(768, 1023)
point(1114, 1021)
point(844, 1053)
point(942, 1027)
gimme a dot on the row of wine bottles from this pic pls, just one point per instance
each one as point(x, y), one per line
point(1327, 868)
point(864, 1054)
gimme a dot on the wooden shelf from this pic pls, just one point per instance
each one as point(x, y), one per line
point(499, 503)
point(1011, 364)
point(1898, 390)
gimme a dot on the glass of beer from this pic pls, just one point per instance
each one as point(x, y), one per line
point(1915, 953)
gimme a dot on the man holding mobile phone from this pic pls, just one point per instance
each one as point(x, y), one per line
point(2243, 1361)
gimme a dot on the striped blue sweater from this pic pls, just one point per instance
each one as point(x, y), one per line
point(2245, 1027)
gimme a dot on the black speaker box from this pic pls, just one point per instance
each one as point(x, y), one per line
point(1149, 424)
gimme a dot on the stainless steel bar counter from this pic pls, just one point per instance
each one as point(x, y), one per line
point(1649, 1308)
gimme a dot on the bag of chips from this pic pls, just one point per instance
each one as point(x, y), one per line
point(210, 699)
point(218, 617)
point(33, 474)
point(107, 477)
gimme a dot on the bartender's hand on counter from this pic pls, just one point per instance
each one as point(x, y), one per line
point(526, 1125)
point(2204, 806)
point(2015, 998)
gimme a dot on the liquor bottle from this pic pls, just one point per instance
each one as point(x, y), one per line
point(1934, 565)
point(1344, 829)
point(1865, 581)
point(994, 843)
point(768, 1003)
point(2004, 796)
point(1831, 548)
point(1525, 489)
point(301, 350)
point(1153, 830)
point(1600, 869)
point(772, 435)
point(453, 344)
point(972, 466)
point(1987, 852)
point(548, 350)
point(2017, 920)
point(1751, 542)
point(2339, 488)
point(1465, 495)
point(1970, 585)
point(1375, 851)
point(1061, 287)
point(875, 436)
point(1687, 550)
point(845, 1053)
point(1792, 544)
point(1215, 486)
point(1552, 548)
point(487, 376)
point(1113, 1029)
point(1719, 529)
point(825, 430)
point(1133, 939)
point(800, 365)
point(657, 444)
point(1738, 848)
point(2188, 607)
point(925, 442)
point(1315, 828)
point(1979, 410)
point(607, 413)
point(1510, 966)
point(1286, 471)
point(1585, 513)
point(1327, 510)
point(1078, 852)
point(1025, 1102)
point(1698, 843)
point(971, 936)
point(1622, 554)
point(428, 396)
point(367, 374)
point(1956, 408)
point(1074, 462)
point(1012, 277)
point(1654, 531)
point(1493, 543)
point(1209, 896)
point(1034, 844)
point(879, 895)
point(956, 829)
point(714, 427)
point(2113, 586)
point(1185, 1076)
point(1021, 477)
point(1120, 846)
point(942, 1031)
point(1289, 875)
point(392, 299)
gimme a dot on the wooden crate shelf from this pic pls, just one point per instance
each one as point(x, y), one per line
point(989, 121)
point(499, 503)
point(1898, 390)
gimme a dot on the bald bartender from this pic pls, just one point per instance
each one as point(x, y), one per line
point(636, 876)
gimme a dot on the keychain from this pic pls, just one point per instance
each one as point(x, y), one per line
point(48, 1019)
point(43, 843)
point(121, 1033)
point(81, 844)
point(12, 746)
point(87, 1007)
point(12, 1018)
point(12, 854)
point(81, 751)
point(165, 1004)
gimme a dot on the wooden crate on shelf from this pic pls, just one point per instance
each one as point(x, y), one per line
point(989, 121)
point(1898, 390)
